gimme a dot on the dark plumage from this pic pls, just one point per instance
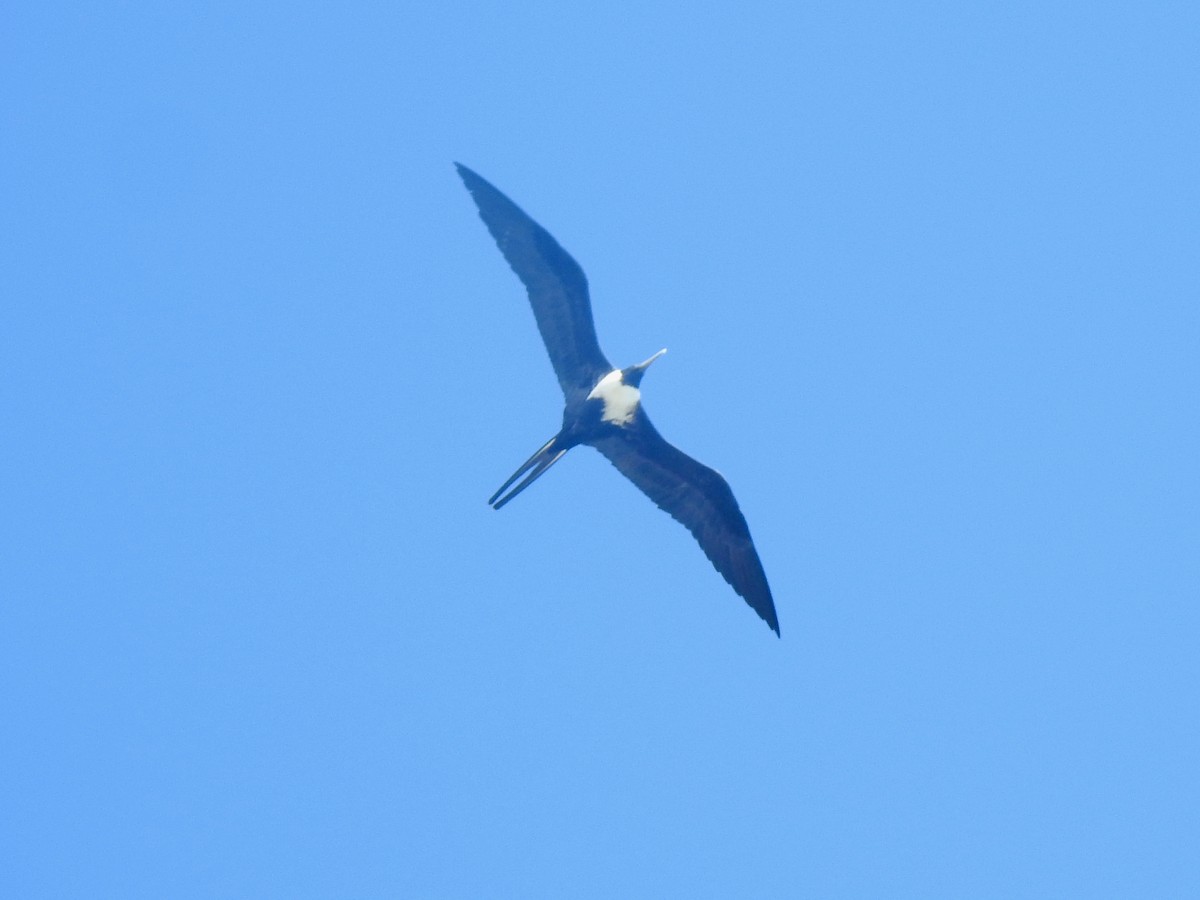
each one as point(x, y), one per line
point(603, 405)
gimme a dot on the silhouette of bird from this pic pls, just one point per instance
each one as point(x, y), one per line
point(603, 404)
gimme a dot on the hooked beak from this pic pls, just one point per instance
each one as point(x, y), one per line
point(633, 375)
point(642, 366)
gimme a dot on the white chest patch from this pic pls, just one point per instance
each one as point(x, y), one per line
point(620, 399)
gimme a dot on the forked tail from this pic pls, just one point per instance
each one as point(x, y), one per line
point(550, 453)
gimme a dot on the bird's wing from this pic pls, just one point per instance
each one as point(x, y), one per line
point(557, 287)
point(697, 497)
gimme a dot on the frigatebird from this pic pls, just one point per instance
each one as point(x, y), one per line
point(603, 403)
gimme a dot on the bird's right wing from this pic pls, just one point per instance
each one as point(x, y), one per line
point(557, 287)
point(700, 499)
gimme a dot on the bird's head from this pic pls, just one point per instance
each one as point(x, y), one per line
point(632, 375)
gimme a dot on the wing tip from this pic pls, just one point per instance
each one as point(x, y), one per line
point(472, 181)
point(760, 601)
point(765, 611)
point(771, 619)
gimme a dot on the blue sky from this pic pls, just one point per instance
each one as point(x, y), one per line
point(929, 278)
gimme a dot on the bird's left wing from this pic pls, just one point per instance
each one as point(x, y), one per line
point(557, 287)
point(700, 499)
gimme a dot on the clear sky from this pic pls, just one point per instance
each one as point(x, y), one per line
point(929, 275)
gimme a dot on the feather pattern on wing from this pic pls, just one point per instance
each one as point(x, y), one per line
point(557, 287)
point(700, 499)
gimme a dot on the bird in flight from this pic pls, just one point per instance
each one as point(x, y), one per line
point(603, 404)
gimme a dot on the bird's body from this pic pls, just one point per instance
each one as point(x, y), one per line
point(603, 404)
point(619, 400)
